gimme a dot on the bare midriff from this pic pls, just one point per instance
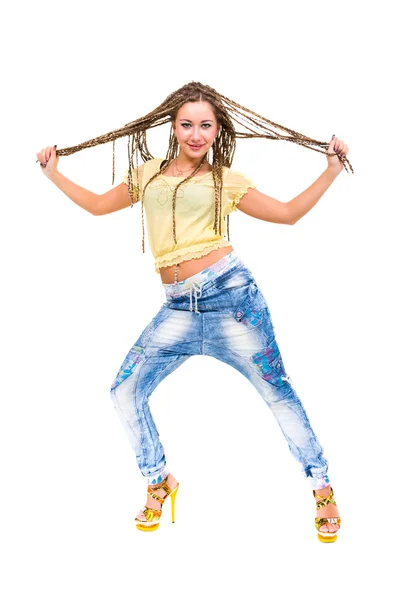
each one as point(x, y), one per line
point(187, 268)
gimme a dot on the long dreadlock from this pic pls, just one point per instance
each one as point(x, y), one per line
point(226, 112)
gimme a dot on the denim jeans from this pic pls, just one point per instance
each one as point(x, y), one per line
point(219, 312)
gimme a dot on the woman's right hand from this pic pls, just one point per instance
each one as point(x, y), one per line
point(48, 160)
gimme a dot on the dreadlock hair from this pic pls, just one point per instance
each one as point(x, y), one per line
point(226, 113)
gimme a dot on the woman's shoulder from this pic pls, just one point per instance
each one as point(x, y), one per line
point(153, 162)
point(236, 169)
point(236, 180)
point(151, 166)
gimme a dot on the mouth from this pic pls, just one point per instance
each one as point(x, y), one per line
point(195, 147)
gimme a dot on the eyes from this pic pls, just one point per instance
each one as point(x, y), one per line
point(206, 125)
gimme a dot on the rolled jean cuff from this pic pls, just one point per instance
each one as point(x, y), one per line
point(318, 480)
point(157, 476)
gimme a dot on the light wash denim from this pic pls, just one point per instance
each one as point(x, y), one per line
point(217, 312)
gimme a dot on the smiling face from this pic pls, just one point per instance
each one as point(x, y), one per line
point(195, 128)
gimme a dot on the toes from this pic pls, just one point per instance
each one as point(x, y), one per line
point(333, 527)
point(330, 528)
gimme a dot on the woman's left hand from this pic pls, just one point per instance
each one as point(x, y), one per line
point(340, 148)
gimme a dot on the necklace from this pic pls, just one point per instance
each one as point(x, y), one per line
point(180, 171)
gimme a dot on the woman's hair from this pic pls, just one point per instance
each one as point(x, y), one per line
point(227, 112)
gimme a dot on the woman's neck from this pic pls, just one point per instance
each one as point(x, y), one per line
point(184, 162)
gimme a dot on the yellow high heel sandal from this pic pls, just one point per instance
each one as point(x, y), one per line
point(326, 536)
point(153, 515)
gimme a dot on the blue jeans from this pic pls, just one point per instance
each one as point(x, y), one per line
point(217, 312)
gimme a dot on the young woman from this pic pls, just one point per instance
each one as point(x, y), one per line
point(213, 304)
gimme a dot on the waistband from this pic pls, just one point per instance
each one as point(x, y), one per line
point(194, 285)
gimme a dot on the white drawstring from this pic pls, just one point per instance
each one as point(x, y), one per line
point(194, 289)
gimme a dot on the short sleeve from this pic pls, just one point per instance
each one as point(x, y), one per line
point(137, 176)
point(237, 184)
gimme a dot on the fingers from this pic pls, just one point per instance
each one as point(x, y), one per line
point(45, 154)
point(41, 156)
point(340, 147)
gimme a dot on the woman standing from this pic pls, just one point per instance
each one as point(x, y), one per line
point(213, 304)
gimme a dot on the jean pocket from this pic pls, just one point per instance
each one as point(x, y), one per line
point(134, 357)
point(270, 365)
point(251, 310)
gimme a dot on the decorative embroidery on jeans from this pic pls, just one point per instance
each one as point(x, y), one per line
point(270, 365)
point(132, 359)
point(153, 480)
point(318, 482)
point(252, 317)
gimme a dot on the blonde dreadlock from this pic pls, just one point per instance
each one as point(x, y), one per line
point(224, 145)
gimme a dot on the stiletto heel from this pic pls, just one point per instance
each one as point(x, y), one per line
point(326, 536)
point(173, 497)
point(153, 515)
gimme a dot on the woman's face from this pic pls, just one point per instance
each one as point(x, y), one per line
point(195, 128)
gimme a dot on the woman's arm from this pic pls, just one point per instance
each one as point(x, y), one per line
point(97, 204)
point(84, 198)
point(48, 161)
point(304, 202)
point(115, 199)
point(261, 206)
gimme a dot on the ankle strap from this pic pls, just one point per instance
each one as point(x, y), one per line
point(324, 501)
point(163, 485)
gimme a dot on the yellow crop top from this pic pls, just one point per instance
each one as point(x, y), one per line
point(194, 212)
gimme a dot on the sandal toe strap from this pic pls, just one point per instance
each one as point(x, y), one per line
point(151, 514)
point(325, 520)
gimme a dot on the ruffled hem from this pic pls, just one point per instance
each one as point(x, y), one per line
point(243, 190)
point(184, 254)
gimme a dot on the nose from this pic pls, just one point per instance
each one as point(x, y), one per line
point(196, 135)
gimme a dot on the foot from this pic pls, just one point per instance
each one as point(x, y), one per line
point(331, 510)
point(152, 502)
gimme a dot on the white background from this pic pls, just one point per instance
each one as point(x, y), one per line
point(78, 291)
